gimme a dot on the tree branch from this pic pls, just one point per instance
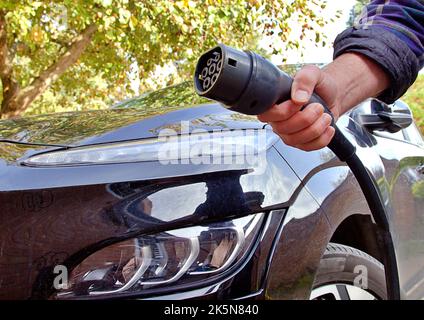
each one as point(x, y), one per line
point(5, 63)
point(10, 86)
point(79, 44)
point(48, 76)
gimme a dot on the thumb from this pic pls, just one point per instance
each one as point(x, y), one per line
point(304, 83)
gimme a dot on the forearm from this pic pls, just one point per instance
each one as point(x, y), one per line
point(356, 78)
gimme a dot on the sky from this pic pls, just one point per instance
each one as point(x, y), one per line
point(313, 54)
point(332, 30)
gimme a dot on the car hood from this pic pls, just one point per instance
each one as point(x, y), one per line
point(177, 108)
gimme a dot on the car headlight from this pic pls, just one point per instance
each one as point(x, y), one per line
point(166, 149)
point(181, 256)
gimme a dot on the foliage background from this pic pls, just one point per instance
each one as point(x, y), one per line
point(59, 55)
point(415, 98)
point(141, 46)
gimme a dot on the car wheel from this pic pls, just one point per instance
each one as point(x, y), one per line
point(346, 273)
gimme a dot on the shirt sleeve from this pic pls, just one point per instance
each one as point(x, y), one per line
point(392, 34)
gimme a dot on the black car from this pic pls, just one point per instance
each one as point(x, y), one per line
point(170, 196)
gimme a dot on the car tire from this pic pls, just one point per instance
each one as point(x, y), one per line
point(346, 273)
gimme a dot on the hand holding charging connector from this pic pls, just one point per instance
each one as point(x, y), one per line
point(306, 127)
point(247, 83)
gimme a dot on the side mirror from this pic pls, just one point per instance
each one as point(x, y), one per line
point(383, 117)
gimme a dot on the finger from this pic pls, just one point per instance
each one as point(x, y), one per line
point(300, 120)
point(280, 112)
point(304, 83)
point(320, 142)
point(309, 134)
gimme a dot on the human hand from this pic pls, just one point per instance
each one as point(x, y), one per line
point(307, 129)
point(342, 84)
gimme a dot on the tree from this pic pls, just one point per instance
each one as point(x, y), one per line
point(78, 52)
point(356, 11)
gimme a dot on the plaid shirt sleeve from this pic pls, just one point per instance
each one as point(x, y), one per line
point(404, 18)
point(390, 32)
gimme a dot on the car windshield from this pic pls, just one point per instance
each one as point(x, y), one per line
point(173, 97)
